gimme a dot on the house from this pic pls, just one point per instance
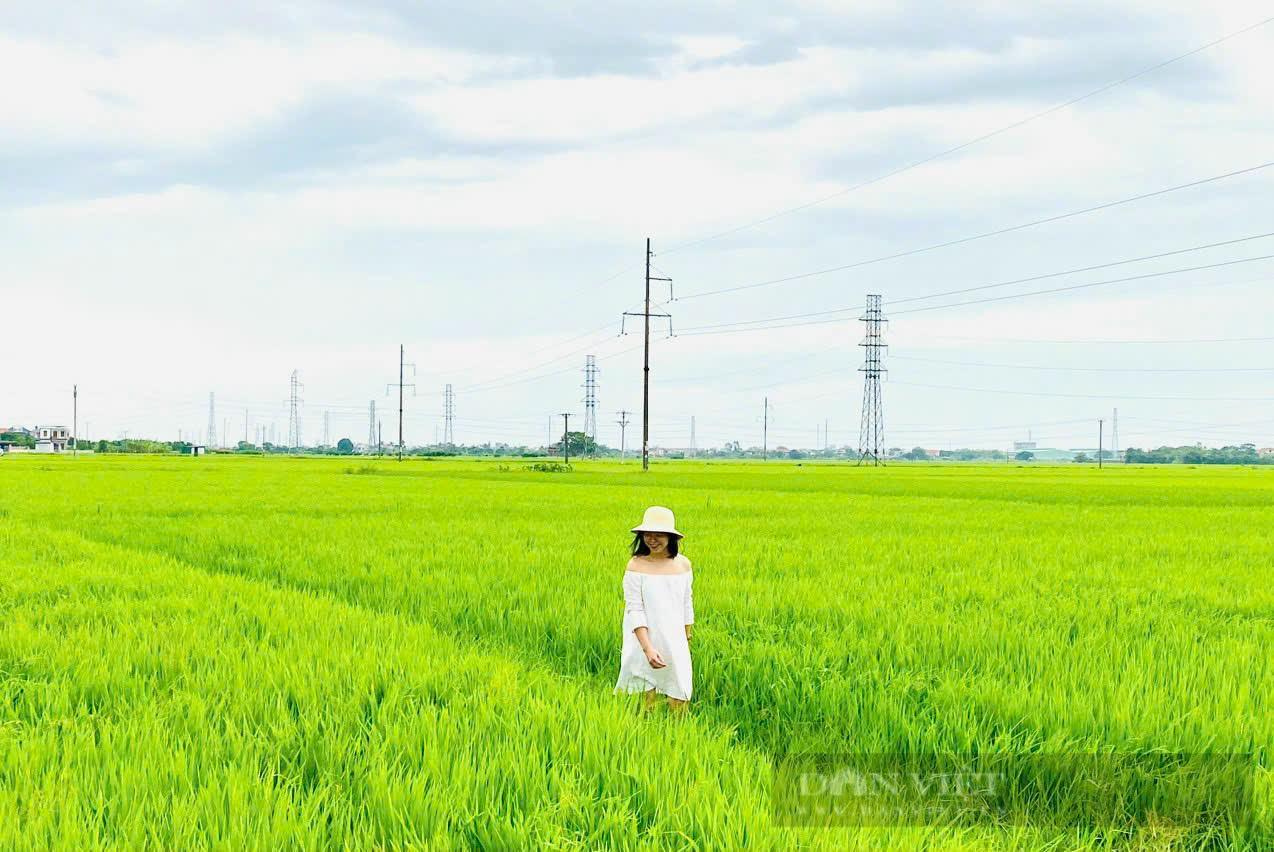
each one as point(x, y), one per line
point(51, 439)
point(196, 450)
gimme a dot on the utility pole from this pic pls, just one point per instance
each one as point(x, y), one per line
point(449, 411)
point(1099, 443)
point(380, 445)
point(645, 374)
point(212, 419)
point(566, 437)
point(294, 413)
point(371, 426)
point(1114, 435)
point(590, 400)
point(871, 432)
point(75, 421)
point(765, 432)
point(402, 366)
point(623, 429)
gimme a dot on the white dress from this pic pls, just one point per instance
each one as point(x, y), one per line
point(663, 604)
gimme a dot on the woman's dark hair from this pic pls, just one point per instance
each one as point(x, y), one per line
point(640, 548)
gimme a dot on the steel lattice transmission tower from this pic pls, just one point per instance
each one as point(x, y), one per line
point(212, 419)
point(371, 426)
point(294, 412)
point(590, 398)
point(449, 412)
point(871, 432)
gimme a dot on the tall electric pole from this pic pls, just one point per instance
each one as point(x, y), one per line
point(590, 400)
point(371, 426)
point(645, 370)
point(765, 432)
point(449, 412)
point(212, 419)
point(871, 432)
point(566, 437)
point(75, 421)
point(1114, 435)
point(294, 413)
point(623, 429)
point(402, 366)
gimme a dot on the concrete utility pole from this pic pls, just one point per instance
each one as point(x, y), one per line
point(566, 437)
point(402, 366)
point(645, 374)
point(623, 428)
point(765, 432)
point(75, 421)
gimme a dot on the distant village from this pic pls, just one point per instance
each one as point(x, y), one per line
point(53, 439)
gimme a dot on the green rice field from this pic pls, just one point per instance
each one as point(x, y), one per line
point(228, 653)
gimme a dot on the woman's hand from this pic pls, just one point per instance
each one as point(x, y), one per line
point(654, 658)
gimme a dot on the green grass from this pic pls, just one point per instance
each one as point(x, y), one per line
point(238, 653)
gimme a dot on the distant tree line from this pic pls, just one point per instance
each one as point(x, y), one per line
point(1242, 454)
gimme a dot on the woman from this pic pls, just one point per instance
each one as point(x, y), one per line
point(658, 614)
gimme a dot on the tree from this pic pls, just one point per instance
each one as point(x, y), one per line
point(1082, 458)
point(345, 447)
point(579, 444)
point(18, 439)
point(1025, 455)
point(916, 454)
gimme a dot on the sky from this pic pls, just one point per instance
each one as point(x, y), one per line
point(204, 197)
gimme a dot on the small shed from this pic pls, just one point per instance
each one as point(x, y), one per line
point(196, 450)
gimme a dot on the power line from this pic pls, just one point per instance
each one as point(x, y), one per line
point(786, 321)
point(1083, 341)
point(1088, 395)
point(1080, 269)
point(1089, 369)
point(1073, 287)
point(971, 142)
point(861, 263)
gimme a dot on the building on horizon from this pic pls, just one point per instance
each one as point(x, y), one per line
point(51, 439)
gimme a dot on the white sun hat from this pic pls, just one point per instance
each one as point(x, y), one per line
point(658, 519)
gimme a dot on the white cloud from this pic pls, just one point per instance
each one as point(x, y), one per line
point(198, 93)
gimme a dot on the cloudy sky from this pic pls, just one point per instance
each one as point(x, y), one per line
point(204, 197)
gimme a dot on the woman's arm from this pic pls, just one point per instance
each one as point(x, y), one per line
point(690, 605)
point(635, 619)
point(653, 657)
